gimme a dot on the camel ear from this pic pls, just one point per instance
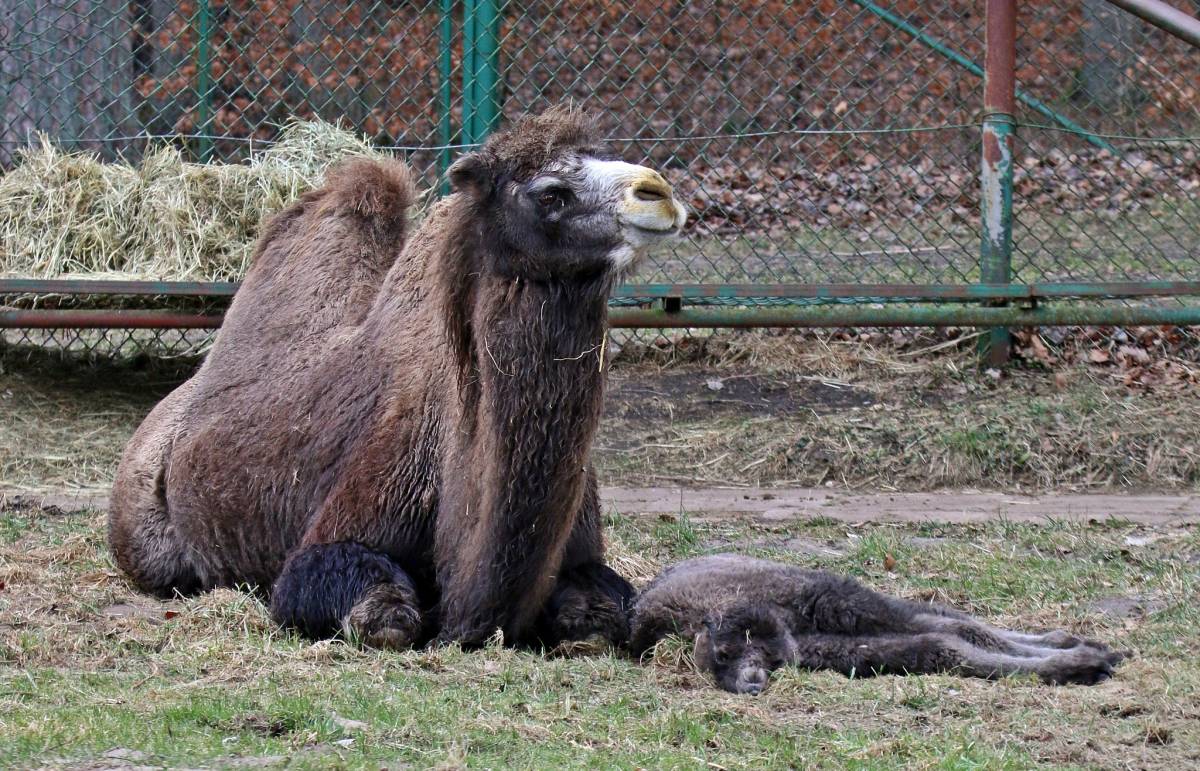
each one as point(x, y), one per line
point(702, 651)
point(472, 175)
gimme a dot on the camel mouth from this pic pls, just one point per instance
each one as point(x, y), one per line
point(669, 230)
point(664, 219)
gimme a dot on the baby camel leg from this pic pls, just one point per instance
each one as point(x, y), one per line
point(345, 587)
point(936, 652)
point(1006, 641)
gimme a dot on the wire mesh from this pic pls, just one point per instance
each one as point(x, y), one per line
point(829, 141)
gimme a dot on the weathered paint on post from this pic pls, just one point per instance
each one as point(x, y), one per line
point(996, 171)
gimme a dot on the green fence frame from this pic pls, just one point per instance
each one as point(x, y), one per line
point(994, 303)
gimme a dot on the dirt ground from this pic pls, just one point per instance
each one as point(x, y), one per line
point(898, 412)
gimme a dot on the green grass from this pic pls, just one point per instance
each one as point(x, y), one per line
point(216, 684)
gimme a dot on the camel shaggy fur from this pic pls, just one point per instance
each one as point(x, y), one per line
point(391, 434)
point(750, 616)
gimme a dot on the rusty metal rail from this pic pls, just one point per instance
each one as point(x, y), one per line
point(700, 305)
point(685, 292)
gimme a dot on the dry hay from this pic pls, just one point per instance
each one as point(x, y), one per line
point(69, 214)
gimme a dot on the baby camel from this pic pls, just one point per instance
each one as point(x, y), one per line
point(750, 616)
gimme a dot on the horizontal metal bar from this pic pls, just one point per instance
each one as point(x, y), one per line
point(809, 316)
point(683, 291)
point(93, 286)
point(1171, 20)
point(892, 316)
point(106, 319)
point(911, 291)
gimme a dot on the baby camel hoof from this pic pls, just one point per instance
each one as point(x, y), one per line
point(1081, 666)
point(385, 617)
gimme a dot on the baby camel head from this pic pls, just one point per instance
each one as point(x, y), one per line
point(551, 203)
point(742, 646)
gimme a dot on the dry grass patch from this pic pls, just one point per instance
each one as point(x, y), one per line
point(64, 213)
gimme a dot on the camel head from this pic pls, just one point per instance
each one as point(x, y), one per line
point(741, 647)
point(551, 203)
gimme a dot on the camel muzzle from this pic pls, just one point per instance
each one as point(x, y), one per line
point(649, 204)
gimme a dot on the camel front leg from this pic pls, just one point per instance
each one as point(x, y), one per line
point(589, 598)
point(345, 588)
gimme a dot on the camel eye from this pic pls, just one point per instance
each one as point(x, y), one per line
point(554, 198)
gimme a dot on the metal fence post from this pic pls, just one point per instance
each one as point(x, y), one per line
point(487, 63)
point(445, 90)
point(481, 69)
point(467, 131)
point(996, 171)
point(204, 63)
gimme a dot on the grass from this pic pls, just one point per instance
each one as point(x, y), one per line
point(863, 412)
point(93, 673)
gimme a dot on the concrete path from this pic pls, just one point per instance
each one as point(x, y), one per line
point(796, 503)
point(786, 504)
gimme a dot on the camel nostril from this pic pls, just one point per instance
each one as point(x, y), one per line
point(651, 190)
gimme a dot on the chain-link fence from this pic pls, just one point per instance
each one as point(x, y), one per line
point(818, 144)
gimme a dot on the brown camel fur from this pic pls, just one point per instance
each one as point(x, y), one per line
point(394, 437)
point(751, 616)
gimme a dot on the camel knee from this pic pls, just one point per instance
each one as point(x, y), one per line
point(327, 589)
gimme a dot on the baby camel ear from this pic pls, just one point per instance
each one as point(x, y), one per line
point(471, 174)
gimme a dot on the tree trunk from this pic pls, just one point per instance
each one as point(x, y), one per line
point(66, 70)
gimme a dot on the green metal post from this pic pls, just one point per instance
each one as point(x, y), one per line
point(481, 69)
point(487, 68)
point(469, 37)
point(204, 63)
point(445, 90)
point(996, 171)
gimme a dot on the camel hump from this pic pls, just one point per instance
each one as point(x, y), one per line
point(378, 192)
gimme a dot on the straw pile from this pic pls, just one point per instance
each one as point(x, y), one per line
point(69, 214)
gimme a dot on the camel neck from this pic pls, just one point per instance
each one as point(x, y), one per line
point(531, 408)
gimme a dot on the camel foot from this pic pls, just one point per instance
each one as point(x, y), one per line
point(386, 617)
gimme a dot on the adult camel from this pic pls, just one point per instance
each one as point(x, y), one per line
point(391, 434)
